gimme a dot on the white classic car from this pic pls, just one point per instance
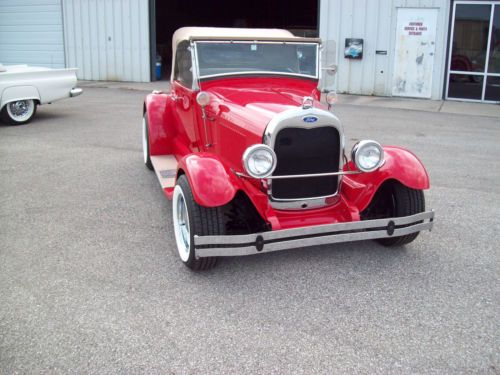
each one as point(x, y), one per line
point(23, 87)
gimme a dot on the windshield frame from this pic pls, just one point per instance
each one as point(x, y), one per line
point(194, 44)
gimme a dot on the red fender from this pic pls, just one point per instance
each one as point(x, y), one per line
point(400, 164)
point(158, 108)
point(211, 183)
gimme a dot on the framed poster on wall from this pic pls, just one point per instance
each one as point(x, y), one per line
point(353, 48)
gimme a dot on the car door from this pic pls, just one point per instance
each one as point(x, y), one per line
point(185, 96)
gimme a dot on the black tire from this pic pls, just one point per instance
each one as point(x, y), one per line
point(393, 199)
point(202, 221)
point(145, 143)
point(7, 118)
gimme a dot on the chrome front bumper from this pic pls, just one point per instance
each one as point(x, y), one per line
point(265, 242)
point(75, 91)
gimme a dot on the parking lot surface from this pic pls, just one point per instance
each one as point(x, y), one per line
point(90, 281)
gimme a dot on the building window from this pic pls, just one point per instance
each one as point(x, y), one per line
point(474, 61)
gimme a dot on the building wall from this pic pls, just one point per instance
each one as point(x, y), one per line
point(375, 21)
point(107, 39)
point(31, 32)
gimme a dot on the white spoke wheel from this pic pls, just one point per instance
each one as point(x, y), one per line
point(190, 218)
point(145, 143)
point(19, 112)
point(181, 224)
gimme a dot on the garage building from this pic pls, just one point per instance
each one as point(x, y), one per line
point(430, 49)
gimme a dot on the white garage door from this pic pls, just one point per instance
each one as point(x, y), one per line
point(108, 39)
point(31, 32)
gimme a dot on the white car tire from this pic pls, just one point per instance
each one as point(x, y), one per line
point(189, 218)
point(18, 112)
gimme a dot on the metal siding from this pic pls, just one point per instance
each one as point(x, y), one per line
point(358, 31)
point(108, 39)
point(344, 67)
point(100, 29)
point(383, 62)
point(412, 4)
point(441, 47)
point(31, 33)
point(375, 22)
point(145, 46)
point(370, 28)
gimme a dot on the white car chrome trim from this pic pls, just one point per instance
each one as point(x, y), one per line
point(75, 91)
point(341, 173)
point(292, 118)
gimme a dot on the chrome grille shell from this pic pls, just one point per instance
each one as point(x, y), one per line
point(294, 118)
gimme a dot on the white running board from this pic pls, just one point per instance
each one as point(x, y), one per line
point(165, 168)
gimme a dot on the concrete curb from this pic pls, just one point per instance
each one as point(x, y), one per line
point(137, 86)
point(425, 105)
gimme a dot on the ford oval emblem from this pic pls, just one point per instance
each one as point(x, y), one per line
point(310, 119)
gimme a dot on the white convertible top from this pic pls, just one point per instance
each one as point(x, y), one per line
point(188, 33)
point(231, 33)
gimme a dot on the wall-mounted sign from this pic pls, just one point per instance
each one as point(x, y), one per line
point(353, 48)
point(415, 28)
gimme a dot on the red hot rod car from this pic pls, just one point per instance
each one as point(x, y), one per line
point(255, 163)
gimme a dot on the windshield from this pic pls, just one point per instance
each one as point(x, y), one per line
point(221, 58)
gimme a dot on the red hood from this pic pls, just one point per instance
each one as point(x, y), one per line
point(252, 102)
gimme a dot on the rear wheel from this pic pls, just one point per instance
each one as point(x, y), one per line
point(393, 199)
point(191, 219)
point(18, 112)
point(145, 143)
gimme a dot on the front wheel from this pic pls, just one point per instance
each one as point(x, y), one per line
point(190, 219)
point(393, 199)
point(18, 112)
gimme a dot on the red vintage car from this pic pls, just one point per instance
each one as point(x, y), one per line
point(255, 163)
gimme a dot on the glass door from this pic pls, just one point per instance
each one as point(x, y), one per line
point(474, 59)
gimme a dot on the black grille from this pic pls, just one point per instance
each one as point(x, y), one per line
point(306, 151)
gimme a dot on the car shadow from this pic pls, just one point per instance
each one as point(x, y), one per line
point(42, 116)
point(348, 252)
point(352, 260)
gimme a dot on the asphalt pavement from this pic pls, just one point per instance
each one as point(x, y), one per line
point(90, 281)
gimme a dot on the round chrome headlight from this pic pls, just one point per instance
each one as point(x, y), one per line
point(367, 155)
point(259, 161)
